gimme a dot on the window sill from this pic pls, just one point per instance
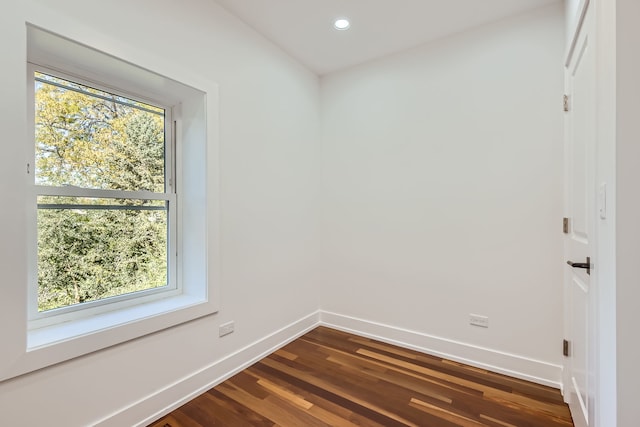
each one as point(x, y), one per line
point(53, 344)
point(153, 313)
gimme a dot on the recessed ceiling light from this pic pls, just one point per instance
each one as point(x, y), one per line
point(341, 24)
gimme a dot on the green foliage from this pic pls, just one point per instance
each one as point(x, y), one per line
point(105, 249)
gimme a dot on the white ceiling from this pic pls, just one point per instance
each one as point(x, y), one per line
point(304, 28)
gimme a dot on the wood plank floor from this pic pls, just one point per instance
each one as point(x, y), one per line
point(331, 378)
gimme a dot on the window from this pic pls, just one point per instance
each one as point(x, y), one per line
point(106, 203)
point(126, 146)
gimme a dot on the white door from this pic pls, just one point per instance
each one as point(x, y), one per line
point(580, 134)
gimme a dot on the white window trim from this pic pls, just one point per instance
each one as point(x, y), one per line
point(75, 312)
point(27, 350)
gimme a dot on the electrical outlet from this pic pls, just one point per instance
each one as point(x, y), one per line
point(226, 328)
point(477, 320)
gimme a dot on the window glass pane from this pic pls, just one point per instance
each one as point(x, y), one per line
point(94, 139)
point(91, 248)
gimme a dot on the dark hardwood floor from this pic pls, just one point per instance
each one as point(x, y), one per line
point(331, 378)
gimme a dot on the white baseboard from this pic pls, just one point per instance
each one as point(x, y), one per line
point(500, 362)
point(145, 411)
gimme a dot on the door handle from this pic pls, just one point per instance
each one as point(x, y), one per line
point(585, 265)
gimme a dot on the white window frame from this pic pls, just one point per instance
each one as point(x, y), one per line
point(38, 319)
point(193, 99)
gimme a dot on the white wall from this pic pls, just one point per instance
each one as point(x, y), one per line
point(628, 210)
point(442, 187)
point(605, 259)
point(268, 142)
